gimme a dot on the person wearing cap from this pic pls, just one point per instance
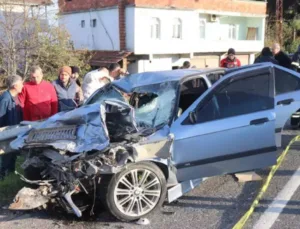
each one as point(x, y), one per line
point(38, 98)
point(68, 92)
point(230, 61)
point(75, 75)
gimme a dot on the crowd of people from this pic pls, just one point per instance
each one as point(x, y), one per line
point(274, 55)
point(39, 99)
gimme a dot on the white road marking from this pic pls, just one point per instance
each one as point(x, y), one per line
point(272, 213)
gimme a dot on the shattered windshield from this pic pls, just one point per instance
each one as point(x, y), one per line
point(154, 104)
point(108, 92)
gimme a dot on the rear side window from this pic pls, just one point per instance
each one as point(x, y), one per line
point(214, 77)
point(285, 82)
point(240, 97)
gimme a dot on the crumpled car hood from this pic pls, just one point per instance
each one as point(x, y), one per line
point(91, 129)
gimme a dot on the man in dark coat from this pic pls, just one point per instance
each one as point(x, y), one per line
point(266, 56)
point(186, 65)
point(75, 74)
point(281, 57)
point(296, 60)
point(10, 114)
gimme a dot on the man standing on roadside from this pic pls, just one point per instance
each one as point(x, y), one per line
point(230, 61)
point(296, 60)
point(116, 72)
point(281, 57)
point(75, 75)
point(186, 65)
point(68, 92)
point(10, 114)
point(38, 98)
point(266, 55)
point(94, 80)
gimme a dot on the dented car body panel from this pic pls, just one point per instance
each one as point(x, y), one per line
point(154, 117)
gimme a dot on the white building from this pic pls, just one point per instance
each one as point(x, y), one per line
point(46, 10)
point(161, 36)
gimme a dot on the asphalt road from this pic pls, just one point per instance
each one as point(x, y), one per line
point(218, 203)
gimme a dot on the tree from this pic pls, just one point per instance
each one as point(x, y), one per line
point(291, 24)
point(56, 50)
point(27, 38)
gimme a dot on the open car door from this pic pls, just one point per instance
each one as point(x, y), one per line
point(229, 129)
point(287, 98)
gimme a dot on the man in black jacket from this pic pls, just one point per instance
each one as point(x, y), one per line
point(10, 114)
point(281, 57)
point(266, 56)
point(296, 60)
point(75, 74)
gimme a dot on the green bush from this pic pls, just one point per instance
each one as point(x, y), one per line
point(10, 186)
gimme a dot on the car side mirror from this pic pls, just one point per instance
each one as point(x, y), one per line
point(193, 117)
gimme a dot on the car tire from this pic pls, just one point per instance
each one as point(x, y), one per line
point(129, 198)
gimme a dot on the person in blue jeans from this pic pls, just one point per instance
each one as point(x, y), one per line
point(10, 114)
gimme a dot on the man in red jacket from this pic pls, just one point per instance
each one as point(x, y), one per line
point(230, 61)
point(38, 98)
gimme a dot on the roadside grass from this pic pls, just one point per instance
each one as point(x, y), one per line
point(10, 186)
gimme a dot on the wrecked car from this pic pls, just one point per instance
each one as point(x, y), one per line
point(152, 136)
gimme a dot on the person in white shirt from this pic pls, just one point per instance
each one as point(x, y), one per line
point(116, 72)
point(94, 80)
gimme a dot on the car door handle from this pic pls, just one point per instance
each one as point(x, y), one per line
point(285, 102)
point(259, 121)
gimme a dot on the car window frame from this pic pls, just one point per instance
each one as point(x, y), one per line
point(182, 81)
point(223, 82)
point(288, 71)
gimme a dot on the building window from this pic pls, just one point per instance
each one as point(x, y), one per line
point(155, 28)
point(94, 23)
point(82, 23)
point(252, 33)
point(177, 28)
point(202, 28)
point(232, 32)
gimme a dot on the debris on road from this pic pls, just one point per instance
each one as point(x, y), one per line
point(143, 221)
point(249, 176)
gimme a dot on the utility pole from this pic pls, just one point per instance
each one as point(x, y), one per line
point(279, 21)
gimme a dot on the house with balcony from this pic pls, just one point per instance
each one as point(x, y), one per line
point(150, 35)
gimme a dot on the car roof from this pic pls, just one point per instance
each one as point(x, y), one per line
point(148, 78)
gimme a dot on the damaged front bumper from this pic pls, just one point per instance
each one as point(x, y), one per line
point(28, 199)
point(71, 153)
